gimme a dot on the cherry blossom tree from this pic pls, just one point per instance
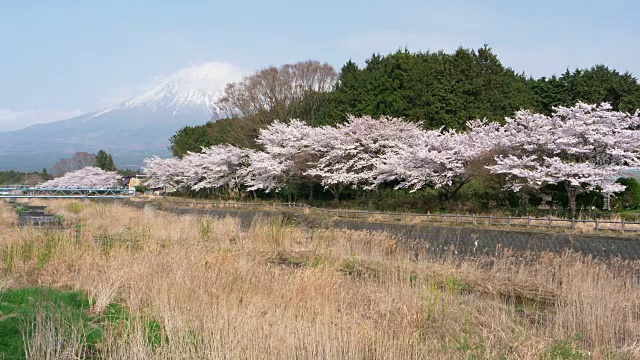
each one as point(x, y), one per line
point(286, 139)
point(171, 171)
point(350, 152)
point(430, 160)
point(89, 177)
point(583, 147)
point(289, 150)
point(218, 166)
point(265, 172)
point(440, 159)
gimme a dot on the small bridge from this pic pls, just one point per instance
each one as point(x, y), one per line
point(31, 192)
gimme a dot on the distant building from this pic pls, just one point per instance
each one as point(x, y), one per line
point(133, 182)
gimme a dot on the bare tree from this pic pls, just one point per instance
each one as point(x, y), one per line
point(277, 89)
point(77, 161)
point(31, 179)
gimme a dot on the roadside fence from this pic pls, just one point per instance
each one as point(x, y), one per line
point(548, 222)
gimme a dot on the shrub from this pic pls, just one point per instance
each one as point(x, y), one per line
point(630, 198)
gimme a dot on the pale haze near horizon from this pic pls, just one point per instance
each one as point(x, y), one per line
point(65, 58)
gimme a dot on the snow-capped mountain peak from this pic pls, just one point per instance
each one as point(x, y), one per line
point(131, 130)
point(195, 88)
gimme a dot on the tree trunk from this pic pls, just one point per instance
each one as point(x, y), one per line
point(572, 193)
point(451, 193)
point(336, 193)
point(311, 192)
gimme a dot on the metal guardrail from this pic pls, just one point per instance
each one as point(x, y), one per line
point(21, 192)
point(529, 222)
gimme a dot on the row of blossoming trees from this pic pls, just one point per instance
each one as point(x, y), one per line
point(583, 147)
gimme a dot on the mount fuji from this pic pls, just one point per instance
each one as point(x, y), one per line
point(131, 130)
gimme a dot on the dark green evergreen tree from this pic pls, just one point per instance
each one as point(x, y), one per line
point(111, 166)
point(437, 89)
point(594, 85)
point(104, 161)
point(189, 138)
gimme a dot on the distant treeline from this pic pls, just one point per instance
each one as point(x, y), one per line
point(17, 177)
point(77, 161)
point(433, 88)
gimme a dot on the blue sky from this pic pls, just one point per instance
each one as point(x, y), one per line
point(61, 58)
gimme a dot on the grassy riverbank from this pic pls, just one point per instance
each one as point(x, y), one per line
point(280, 291)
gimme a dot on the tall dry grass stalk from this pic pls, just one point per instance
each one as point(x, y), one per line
point(49, 336)
point(278, 291)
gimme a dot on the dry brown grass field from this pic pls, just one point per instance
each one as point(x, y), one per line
point(280, 291)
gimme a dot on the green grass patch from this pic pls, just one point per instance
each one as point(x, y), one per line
point(67, 314)
point(75, 207)
point(20, 307)
point(20, 209)
point(565, 349)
